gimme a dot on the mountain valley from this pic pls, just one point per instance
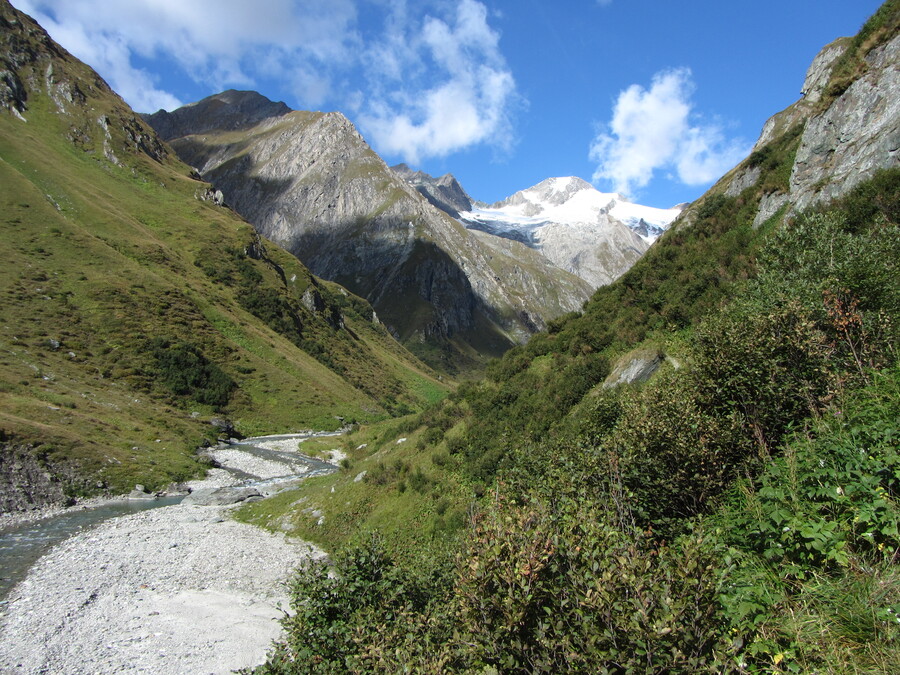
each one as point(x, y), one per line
point(136, 310)
point(574, 434)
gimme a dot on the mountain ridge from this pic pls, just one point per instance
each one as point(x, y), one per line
point(594, 235)
point(310, 182)
point(444, 192)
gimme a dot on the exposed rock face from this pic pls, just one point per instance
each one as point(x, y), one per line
point(309, 181)
point(743, 180)
point(12, 93)
point(820, 71)
point(846, 133)
point(599, 253)
point(27, 482)
point(444, 192)
point(634, 368)
point(858, 134)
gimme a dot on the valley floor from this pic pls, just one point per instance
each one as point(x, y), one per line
point(178, 589)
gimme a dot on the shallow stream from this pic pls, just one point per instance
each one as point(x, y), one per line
point(22, 545)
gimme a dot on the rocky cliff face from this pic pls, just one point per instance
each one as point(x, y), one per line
point(27, 482)
point(853, 137)
point(444, 192)
point(845, 127)
point(309, 181)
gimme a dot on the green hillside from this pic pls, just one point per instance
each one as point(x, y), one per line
point(737, 512)
point(134, 311)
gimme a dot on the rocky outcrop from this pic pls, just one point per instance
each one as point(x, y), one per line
point(29, 482)
point(842, 131)
point(210, 194)
point(12, 93)
point(32, 62)
point(634, 368)
point(855, 136)
point(820, 71)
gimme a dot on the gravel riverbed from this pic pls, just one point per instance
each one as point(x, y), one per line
point(179, 589)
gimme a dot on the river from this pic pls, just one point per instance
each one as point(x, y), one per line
point(22, 545)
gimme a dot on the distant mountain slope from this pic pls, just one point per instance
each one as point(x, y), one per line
point(135, 310)
point(310, 182)
point(593, 235)
point(444, 192)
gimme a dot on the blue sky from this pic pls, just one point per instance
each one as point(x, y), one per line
point(648, 97)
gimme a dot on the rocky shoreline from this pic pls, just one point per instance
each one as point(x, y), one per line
point(178, 589)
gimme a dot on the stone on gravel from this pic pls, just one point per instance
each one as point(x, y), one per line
point(222, 496)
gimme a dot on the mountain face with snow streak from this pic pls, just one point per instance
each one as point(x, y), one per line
point(592, 234)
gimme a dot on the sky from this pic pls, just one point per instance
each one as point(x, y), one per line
point(650, 98)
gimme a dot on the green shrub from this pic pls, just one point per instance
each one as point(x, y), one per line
point(830, 495)
point(183, 370)
point(673, 455)
point(367, 613)
point(553, 588)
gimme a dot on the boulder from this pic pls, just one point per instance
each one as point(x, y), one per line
point(140, 492)
point(634, 368)
point(221, 496)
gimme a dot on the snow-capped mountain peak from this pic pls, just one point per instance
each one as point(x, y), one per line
point(596, 235)
point(573, 201)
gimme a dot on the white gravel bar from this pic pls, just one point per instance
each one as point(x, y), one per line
point(178, 589)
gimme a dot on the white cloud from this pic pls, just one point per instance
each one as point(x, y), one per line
point(420, 85)
point(215, 42)
point(654, 129)
point(469, 104)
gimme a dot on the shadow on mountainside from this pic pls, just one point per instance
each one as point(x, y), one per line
point(420, 293)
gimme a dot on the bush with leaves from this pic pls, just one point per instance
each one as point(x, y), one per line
point(184, 370)
point(809, 532)
point(673, 455)
point(552, 586)
point(368, 612)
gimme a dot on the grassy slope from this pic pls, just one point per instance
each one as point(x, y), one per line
point(101, 259)
point(798, 573)
point(551, 385)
